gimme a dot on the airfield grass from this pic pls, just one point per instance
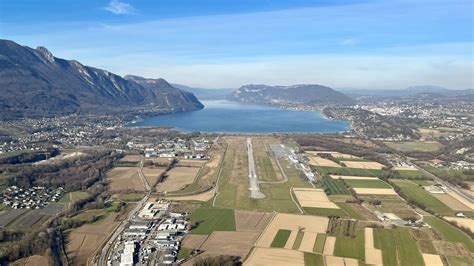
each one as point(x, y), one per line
point(280, 238)
point(233, 184)
point(398, 247)
point(313, 259)
point(212, 219)
point(350, 247)
point(319, 243)
point(458, 261)
point(367, 183)
point(325, 170)
point(415, 193)
point(334, 187)
point(426, 146)
point(449, 232)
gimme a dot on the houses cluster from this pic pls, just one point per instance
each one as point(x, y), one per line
point(31, 198)
point(170, 231)
point(154, 210)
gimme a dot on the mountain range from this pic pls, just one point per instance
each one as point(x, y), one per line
point(309, 94)
point(413, 90)
point(33, 82)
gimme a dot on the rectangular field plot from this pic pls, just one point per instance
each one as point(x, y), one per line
point(412, 192)
point(212, 219)
point(336, 187)
point(313, 197)
point(281, 238)
point(351, 247)
point(177, 178)
point(449, 232)
point(275, 257)
point(348, 171)
point(125, 179)
point(398, 247)
point(348, 177)
point(53, 208)
point(367, 184)
point(29, 219)
point(363, 165)
point(375, 191)
point(6, 217)
point(318, 161)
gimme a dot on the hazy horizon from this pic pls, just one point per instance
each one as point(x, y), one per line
point(213, 44)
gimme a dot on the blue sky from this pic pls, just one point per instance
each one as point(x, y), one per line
point(223, 43)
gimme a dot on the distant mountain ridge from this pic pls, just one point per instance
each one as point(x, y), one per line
point(309, 94)
point(34, 82)
point(206, 94)
point(413, 90)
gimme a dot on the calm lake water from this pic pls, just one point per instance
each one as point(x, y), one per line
point(232, 117)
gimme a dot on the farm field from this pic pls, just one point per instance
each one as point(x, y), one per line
point(374, 191)
point(398, 247)
point(415, 193)
point(452, 203)
point(334, 187)
point(367, 183)
point(319, 161)
point(348, 171)
point(152, 173)
point(73, 196)
point(449, 232)
point(212, 219)
point(313, 197)
point(334, 154)
point(124, 179)
point(177, 178)
point(426, 146)
point(363, 165)
point(464, 222)
point(131, 197)
point(83, 241)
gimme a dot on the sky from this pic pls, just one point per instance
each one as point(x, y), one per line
point(366, 44)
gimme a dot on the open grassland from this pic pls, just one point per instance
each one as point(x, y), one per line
point(152, 173)
point(367, 184)
point(348, 171)
point(267, 168)
point(73, 196)
point(451, 173)
point(425, 146)
point(131, 197)
point(212, 219)
point(398, 247)
point(449, 232)
point(410, 174)
point(233, 182)
point(458, 261)
point(281, 238)
point(334, 187)
point(412, 192)
point(124, 179)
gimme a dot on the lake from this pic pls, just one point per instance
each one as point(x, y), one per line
point(232, 117)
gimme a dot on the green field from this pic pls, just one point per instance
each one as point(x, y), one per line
point(311, 259)
point(131, 197)
point(458, 261)
point(334, 187)
point(184, 253)
point(73, 196)
point(319, 243)
point(367, 183)
point(411, 174)
point(323, 170)
point(451, 173)
point(298, 239)
point(449, 232)
point(413, 192)
point(325, 212)
point(351, 247)
point(212, 219)
point(265, 169)
point(398, 247)
point(280, 238)
point(426, 146)
point(351, 212)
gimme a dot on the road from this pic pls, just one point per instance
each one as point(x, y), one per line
point(104, 254)
point(450, 186)
point(253, 179)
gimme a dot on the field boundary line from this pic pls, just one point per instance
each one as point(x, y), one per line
point(219, 177)
point(294, 201)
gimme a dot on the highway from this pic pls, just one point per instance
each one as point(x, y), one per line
point(106, 250)
point(450, 186)
point(255, 192)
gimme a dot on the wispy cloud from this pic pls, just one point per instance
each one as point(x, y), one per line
point(119, 8)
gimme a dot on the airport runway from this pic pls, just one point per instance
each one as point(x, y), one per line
point(255, 192)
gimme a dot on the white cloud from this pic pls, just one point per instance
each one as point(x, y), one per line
point(119, 8)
